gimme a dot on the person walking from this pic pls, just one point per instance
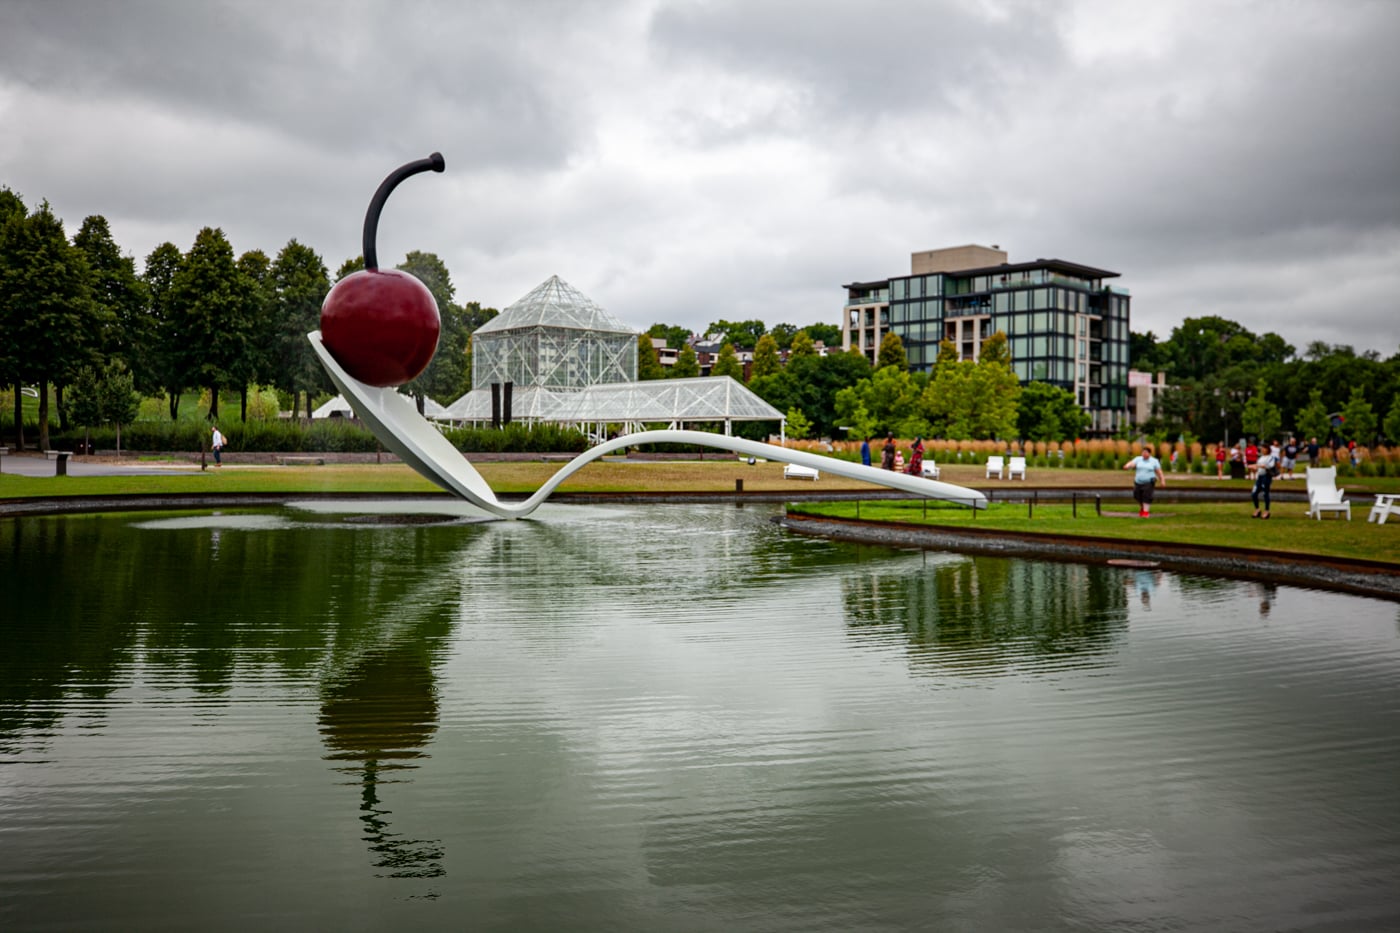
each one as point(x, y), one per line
point(1290, 457)
point(887, 454)
point(1148, 472)
point(1264, 481)
point(1220, 460)
point(916, 458)
point(865, 452)
point(216, 444)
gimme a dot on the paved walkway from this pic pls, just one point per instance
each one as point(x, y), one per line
point(36, 464)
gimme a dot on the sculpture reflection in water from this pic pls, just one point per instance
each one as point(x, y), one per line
point(979, 616)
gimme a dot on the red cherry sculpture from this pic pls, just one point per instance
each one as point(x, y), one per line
point(382, 325)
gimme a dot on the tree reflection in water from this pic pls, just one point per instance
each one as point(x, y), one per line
point(981, 616)
point(381, 715)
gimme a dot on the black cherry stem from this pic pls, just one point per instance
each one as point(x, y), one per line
point(433, 163)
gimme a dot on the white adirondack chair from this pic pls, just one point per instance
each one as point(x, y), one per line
point(1323, 494)
point(931, 470)
point(994, 465)
point(1384, 506)
point(1016, 467)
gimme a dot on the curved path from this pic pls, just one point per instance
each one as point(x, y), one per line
point(395, 420)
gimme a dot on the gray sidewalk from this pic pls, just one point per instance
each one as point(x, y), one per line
point(34, 464)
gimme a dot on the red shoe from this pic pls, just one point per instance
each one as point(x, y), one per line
point(1142, 513)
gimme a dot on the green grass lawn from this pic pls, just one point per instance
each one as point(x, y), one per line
point(1288, 531)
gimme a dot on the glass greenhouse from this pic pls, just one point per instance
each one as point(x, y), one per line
point(572, 362)
point(555, 337)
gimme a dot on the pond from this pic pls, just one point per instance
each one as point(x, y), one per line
point(672, 718)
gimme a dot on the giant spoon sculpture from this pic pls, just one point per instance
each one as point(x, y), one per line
point(379, 330)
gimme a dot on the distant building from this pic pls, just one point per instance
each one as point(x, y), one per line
point(1065, 326)
point(1143, 390)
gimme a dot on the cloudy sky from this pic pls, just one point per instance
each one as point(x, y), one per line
point(686, 161)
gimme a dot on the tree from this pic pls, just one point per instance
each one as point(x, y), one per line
point(85, 401)
point(728, 364)
point(1261, 418)
point(1312, 420)
point(765, 357)
point(797, 424)
point(447, 375)
point(120, 295)
point(1049, 413)
point(648, 363)
point(168, 357)
point(997, 390)
point(891, 352)
point(1359, 418)
point(1391, 426)
point(739, 333)
point(50, 283)
point(674, 335)
point(299, 286)
point(1143, 352)
point(828, 335)
point(209, 296)
point(12, 216)
point(258, 361)
point(889, 400)
point(801, 347)
point(120, 400)
point(686, 365)
point(105, 396)
point(973, 400)
point(782, 335)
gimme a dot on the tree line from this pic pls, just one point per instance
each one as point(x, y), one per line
point(78, 316)
point(1226, 381)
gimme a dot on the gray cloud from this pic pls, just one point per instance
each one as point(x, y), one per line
point(686, 161)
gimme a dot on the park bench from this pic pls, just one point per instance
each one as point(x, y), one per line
point(302, 461)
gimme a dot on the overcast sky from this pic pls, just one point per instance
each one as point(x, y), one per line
point(689, 161)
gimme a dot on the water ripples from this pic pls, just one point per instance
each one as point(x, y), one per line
point(674, 718)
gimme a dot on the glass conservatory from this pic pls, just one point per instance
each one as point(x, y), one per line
point(572, 362)
point(556, 338)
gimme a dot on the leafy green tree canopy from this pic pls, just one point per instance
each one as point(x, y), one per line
point(727, 364)
point(892, 352)
point(648, 363)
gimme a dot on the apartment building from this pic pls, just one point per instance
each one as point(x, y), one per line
point(1065, 325)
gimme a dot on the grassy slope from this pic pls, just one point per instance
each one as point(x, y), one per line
point(1180, 522)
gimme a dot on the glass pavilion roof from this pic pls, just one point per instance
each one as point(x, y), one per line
point(705, 398)
point(556, 303)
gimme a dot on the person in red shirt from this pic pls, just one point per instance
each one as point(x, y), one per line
point(1251, 459)
point(1220, 460)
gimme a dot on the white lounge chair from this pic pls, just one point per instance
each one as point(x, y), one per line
point(994, 465)
point(793, 471)
point(1016, 467)
point(1323, 494)
point(1385, 505)
point(931, 470)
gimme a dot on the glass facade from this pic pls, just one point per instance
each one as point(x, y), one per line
point(1064, 326)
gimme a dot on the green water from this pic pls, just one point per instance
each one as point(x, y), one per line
point(672, 718)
